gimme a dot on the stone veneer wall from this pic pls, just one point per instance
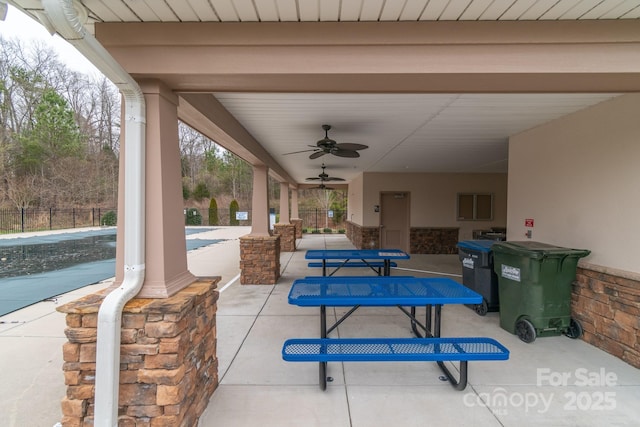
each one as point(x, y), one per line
point(287, 233)
point(433, 240)
point(298, 224)
point(363, 237)
point(259, 260)
point(168, 363)
point(608, 307)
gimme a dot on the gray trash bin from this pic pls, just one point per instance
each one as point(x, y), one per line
point(478, 273)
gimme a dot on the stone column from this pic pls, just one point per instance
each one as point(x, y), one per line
point(168, 362)
point(284, 228)
point(295, 219)
point(166, 253)
point(259, 251)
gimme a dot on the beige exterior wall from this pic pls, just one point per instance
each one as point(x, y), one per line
point(354, 201)
point(579, 179)
point(433, 198)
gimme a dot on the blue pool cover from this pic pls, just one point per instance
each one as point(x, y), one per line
point(34, 269)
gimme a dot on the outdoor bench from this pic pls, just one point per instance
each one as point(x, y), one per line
point(438, 350)
point(379, 260)
point(377, 266)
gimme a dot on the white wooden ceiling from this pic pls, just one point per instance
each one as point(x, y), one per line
point(353, 10)
point(404, 132)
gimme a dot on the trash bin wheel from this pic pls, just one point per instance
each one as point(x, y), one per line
point(483, 308)
point(574, 330)
point(525, 331)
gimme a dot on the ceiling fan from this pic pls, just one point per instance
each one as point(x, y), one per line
point(323, 177)
point(328, 146)
point(321, 187)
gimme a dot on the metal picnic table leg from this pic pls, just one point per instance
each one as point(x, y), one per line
point(322, 368)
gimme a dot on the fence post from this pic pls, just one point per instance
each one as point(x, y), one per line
point(50, 218)
point(22, 219)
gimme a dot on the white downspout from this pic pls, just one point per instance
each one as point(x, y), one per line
point(63, 17)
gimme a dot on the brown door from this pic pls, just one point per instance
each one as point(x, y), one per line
point(394, 221)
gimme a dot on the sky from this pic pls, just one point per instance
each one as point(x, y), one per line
point(19, 25)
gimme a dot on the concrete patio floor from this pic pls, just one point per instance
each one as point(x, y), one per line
point(555, 381)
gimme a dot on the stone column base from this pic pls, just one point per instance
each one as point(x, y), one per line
point(259, 260)
point(298, 223)
point(287, 233)
point(168, 363)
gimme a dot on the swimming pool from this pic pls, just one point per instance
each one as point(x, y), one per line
point(37, 268)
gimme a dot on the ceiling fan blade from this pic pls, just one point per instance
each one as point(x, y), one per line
point(352, 147)
point(333, 178)
point(317, 154)
point(345, 153)
point(301, 151)
point(314, 179)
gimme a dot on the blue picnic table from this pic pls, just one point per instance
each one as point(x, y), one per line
point(388, 291)
point(372, 258)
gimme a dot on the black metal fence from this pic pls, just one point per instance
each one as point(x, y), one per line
point(313, 220)
point(323, 220)
point(22, 220)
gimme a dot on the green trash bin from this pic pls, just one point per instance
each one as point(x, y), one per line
point(534, 286)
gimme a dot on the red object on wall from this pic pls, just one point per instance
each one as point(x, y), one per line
point(528, 222)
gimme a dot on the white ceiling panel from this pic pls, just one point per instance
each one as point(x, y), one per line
point(329, 10)
point(183, 10)
point(142, 10)
point(162, 10)
point(601, 9)
point(621, 10)
point(454, 10)
point(391, 11)
point(433, 10)
point(245, 10)
point(413, 10)
point(287, 10)
point(475, 10)
point(203, 10)
point(404, 132)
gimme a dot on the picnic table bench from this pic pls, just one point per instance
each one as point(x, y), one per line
point(379, 260)
point(383, 291)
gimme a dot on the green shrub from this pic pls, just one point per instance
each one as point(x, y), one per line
point(109, 219)
point(342, 231)
point(186, 193)
point(304, 230)
point(213, 213)
point(193, 217)
point(327, 230)
point(233, 208)
point(315, 232)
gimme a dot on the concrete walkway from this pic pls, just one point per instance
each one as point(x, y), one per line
point(554, 381)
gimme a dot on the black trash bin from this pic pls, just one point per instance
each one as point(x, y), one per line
point(478, 273)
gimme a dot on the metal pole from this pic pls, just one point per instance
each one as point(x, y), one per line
point(22, 219)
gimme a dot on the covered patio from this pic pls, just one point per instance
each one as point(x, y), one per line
point(553, 381)
point(529, 105)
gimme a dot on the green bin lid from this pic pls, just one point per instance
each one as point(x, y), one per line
point(537, 250)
